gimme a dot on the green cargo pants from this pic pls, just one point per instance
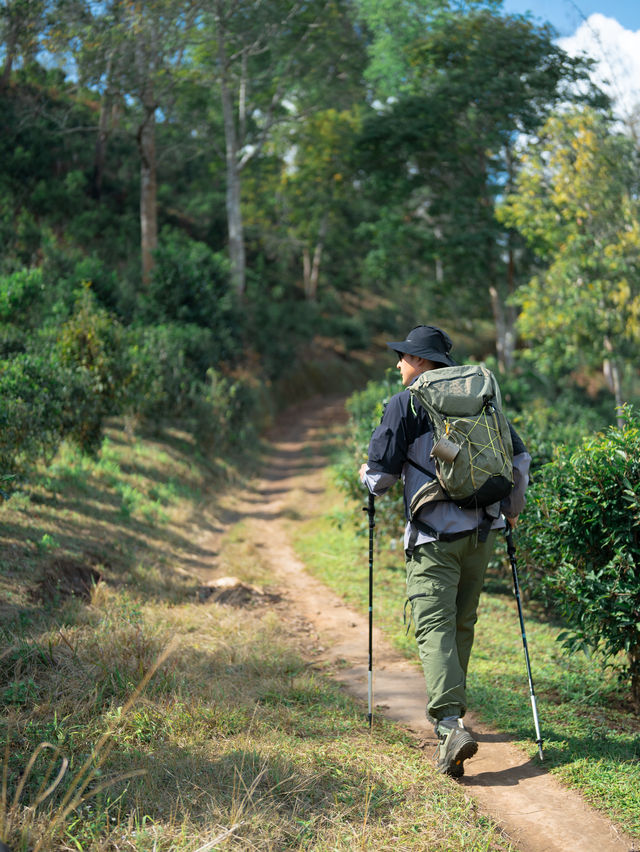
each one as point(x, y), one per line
point(444, 581)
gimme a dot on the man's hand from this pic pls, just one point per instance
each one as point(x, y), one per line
point(363, 470)
point(512, 522)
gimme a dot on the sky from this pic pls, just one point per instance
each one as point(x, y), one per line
point(606, 30)
point(567, 15)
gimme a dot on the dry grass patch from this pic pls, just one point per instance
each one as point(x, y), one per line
point(235, 734)
point(140, 716)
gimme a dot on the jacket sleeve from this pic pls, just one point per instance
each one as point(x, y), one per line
point(512, 505)
point(388, 447)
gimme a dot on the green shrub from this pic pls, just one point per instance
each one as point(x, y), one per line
point(582, 540)
point(190, 285)
point(65, 384)
point(91, 344)
point(230, 411)
point(13, 340)
point(22, 309)
point(168, 364)
point(352, 330)
point(65, 269)
point(277, 326)
point(36, 402)
point(21, 294)
point(175, 373)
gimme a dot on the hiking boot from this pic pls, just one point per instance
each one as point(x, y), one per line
point(456, 746)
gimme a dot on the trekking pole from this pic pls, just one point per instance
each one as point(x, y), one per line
point(371, 511)
point(511, 550)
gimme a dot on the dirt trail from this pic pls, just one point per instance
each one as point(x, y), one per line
point(537, 813)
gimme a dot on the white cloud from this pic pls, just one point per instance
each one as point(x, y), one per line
point(617, 52)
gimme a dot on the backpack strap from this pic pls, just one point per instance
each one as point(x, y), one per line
point(421, 469)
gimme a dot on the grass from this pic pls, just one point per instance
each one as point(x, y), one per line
point(592, 737)
point(135, 717)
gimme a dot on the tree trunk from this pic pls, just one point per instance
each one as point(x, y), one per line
point(6, 71)
point(439, 268)
point(504, 335)
point(10, 49)
point(234, 223)
point(510, 335)
point(148, 192)
point(634, 669)
point(501, 327)
point(306, 268)
point(611, 372)
point(103, 133)
point(100, 153)
point(145, 58)
point(311, 268)
point(509, 340)
point(235, 226)
point(504, 321)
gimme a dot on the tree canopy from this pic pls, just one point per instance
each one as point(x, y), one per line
point(231, 180)
point(576, 201)
point(443, 149)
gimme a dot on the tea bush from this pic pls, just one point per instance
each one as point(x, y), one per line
point(168, 365)
point(582, 542)
point(91, 344)
point(65, 384)
point(20, 294)
point(37, 401)
point(230, 411)
point(190, 286)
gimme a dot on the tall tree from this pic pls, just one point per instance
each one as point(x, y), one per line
point(271, 62)
point(22, 25)
point(395, 28)
point(316, 184)
point(133, 52)
point(576, 202)
point(444, 148)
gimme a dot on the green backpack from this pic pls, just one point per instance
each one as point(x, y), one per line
point(471, 438)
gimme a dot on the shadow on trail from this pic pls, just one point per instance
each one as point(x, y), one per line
point(509, 777)
point(608, 742)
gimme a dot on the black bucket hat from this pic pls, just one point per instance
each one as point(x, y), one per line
point(426, 341)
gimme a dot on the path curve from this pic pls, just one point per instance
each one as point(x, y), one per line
point(537, 813)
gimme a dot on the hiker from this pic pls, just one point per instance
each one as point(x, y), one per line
point(447, 548)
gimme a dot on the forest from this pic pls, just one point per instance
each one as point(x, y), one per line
point(208, 209)
point(194, 193)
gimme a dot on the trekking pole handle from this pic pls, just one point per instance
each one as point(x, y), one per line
point(370, 508)
point(508, 534)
